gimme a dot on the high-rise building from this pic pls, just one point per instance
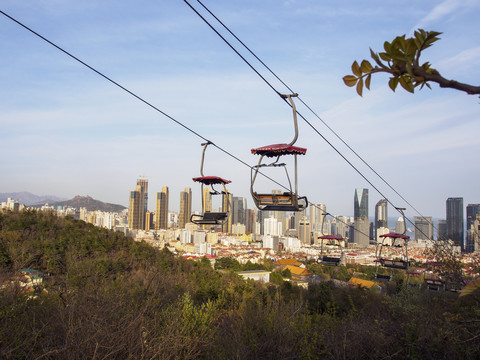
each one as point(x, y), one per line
point(138, 205)
point(134, 210)
point(271, 226)
point(442, 229)
point(207, 200)
point(299, 215)
point(185, 207)
point(400, 225)
point(423, 227)
point(239, 208)
point(361, 232)
point(161, 209)
point(360, 203)
point(317, 216)
point(455, 223)
point(250, 221)
point(142, 186)
point(304, 233)
point(473, 210)
point(226, 206)
point(361, 227)
point(381, 218)
point(261, 215)
point(473, 213)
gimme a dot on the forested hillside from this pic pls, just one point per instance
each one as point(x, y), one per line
point(108, 297)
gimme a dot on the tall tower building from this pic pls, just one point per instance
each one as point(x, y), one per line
point(239, 208)
point(250, 221)
point(262, 215)
point(227, 205)
point(304, 231)
point(207, 200)
point(473, 212)
point(142, 186)
point(423, 227)
point(360, 203)
point(455, 223)
point(442, 229)
point(361, 233)
point(161, 209)
point(317, 216)
point(381, 218)
point(270, 226)
point(134, 210)
point(185, 207)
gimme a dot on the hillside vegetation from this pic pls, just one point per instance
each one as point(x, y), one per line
point(108, 297)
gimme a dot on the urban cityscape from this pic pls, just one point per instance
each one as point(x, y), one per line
point(311, 249)
point(251, 234)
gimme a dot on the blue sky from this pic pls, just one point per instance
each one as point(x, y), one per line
point(66, 131)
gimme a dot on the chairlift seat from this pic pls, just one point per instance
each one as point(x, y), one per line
point(434, 284)
point(209, 218)
point(330, 260)
point(280, 202)
point(395, 264)
point(276, 150)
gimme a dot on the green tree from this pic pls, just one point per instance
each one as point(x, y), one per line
point(401, 60)
point(227, 263)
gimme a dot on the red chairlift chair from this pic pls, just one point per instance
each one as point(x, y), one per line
point(210, 217)
point(288, 200)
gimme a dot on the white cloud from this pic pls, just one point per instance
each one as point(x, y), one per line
point(461, 62)
point(440, 11)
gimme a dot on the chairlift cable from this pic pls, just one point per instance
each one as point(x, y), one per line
point(306, 105)
point(135, 95)
point(162, 112)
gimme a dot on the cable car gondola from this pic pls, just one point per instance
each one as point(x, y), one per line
point(288, 200)
point(209, 217)
point(403, 263)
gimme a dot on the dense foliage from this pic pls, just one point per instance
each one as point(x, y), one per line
point(110, 297)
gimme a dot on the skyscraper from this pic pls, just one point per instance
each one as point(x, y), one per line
point(381, 218)
point(134, 210)
point(360, 203)
point(142, 186)
point(455, 224)
point(304, 233)
point(161, 209)
point(185, 207)
point(227, 205)
point(473, 211)
point(423, 227)
point(207, 200)
point(317, 217)
point(137, 205)
point(239, 207)
point(361, 226)
point(442, 229)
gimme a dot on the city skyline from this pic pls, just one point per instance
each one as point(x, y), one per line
point(67, 131)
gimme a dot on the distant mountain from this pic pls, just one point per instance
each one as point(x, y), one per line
point(29, 199)
point(91, 204)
